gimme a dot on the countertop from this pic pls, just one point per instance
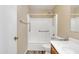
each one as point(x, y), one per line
point(66, 47)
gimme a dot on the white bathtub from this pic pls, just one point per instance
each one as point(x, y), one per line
point(40, 46)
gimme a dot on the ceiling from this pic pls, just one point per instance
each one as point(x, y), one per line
point(49, 8)
point(41, 8)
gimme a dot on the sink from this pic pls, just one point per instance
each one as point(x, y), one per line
point(60, 39)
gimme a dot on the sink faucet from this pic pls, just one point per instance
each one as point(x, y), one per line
point(53, 36)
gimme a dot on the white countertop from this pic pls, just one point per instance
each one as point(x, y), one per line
point(66, 47)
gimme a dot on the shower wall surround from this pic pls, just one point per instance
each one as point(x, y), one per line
point(41, 30)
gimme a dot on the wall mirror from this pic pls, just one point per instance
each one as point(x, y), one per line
point(74, 23)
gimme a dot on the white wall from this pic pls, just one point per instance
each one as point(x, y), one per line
point(8, 24)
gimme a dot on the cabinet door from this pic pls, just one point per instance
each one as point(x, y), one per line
point(53, 50)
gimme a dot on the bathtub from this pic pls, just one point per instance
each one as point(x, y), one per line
point(40, 47)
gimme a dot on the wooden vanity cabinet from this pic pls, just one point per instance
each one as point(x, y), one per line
point(53, 50)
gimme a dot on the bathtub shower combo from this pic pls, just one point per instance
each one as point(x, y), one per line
point(40, 31)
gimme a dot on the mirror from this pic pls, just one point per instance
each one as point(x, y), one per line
point(74, 23)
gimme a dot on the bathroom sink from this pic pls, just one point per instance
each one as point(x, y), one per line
point(60, 39)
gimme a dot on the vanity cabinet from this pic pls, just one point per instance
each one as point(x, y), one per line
point(53, 50)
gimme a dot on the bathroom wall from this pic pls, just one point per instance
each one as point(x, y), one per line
point(63, 12)
point(22, 28)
